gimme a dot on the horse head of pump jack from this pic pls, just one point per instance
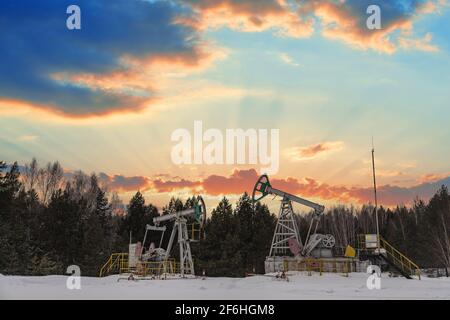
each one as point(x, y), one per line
point(262, 188)
point(200, 211)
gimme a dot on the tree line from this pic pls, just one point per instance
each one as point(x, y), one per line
point(49, 221)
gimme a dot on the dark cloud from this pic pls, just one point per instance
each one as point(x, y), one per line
point(394, 195)
point(35, 43)
point(391, 10)
point(171, 185)
point(346, 21)
point(123, 183)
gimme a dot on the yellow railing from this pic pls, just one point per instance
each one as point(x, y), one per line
point(114, 263)
point(398, 258)
point(318, 265)
point(118, 263)
point(156, 268)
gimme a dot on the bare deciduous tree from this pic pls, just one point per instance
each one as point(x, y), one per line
point(30, 175)
point(49, 179)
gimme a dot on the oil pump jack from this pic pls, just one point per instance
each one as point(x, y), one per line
point(286, 237)
point(180, 218)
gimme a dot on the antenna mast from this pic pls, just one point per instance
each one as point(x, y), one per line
point(375, 194)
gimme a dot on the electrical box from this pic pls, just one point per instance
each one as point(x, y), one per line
point(371, 241)
point(134, 250)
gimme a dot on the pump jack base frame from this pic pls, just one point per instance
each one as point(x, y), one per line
point(134, 277)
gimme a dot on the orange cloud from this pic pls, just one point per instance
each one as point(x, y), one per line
point(341, 20)
point(135, 81)
point(313, 151)
point(339, 23)
point(238, 182)
point(432, 177)
point(172, 185)
point(10, 107)
point(249, 16)
point(138, 76)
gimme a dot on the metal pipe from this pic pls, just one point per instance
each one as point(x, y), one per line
point(171, 216)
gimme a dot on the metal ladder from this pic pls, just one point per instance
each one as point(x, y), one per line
point(401, 262)
point(114, 263)
point(389, 254)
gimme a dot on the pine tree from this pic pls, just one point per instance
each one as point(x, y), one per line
point(62, 228)
point(245, 228)
point(264, 226)
point(437, 221)
point(9, 186)
point(175, 205)
point(93, 245)
point(133, 222)
point(217, 252)
point(137, 217)
point(13, 244)
point(42, 265)
point(101, 215)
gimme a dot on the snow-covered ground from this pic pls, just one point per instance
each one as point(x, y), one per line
point(299, 286)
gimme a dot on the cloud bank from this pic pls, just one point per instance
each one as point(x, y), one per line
point(240, 181)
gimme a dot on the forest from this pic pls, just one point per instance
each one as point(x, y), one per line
point(49, 221)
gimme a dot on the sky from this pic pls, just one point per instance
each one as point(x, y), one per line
point(106, 98)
